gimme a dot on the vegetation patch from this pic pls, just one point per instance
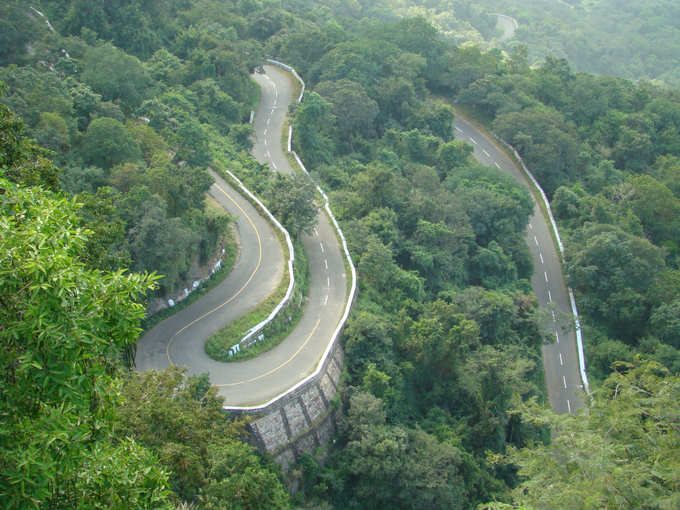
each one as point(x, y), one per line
point(219, 344)
point(484, 124)
point(212, 281)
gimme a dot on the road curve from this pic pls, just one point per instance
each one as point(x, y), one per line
point(328, 281)
point(560, 358)
point(258, 269)
point(180, 339)
point(509, 26)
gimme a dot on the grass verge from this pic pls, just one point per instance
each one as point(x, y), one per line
point(218, 345)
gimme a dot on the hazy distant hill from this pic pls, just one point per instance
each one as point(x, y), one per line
point(637, 39)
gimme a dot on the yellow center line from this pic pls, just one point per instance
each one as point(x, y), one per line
point(318, 321)
point(259, 262)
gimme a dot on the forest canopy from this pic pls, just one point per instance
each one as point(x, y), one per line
point(126, 104)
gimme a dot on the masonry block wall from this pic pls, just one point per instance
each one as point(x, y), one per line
point(302, 420)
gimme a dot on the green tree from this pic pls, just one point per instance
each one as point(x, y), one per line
point(657, 208)
point(492, 268)
point(181, 419)
point(239, 480)
point(52, 132)
point(665, 323)
point(438, 253)
point(312, 121)
point(162, 243)
point(106, 246)
point(623, 453)
point(399, 467)
point(353, 109)
point(108, 143)
point(16, 27)
point(31, 91)
point(613, 270)
point(63, 328)
point(545, 140)
point(369, 338)
point(451, 155)
point(20, 160)
point(116, 75)
point(193, 144)
point(165, 67)
point(85, 102)
point(291, 201)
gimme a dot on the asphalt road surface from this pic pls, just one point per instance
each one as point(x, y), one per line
point(180, 339)
point(257, 272)
point(508, 25)
point(560, 358)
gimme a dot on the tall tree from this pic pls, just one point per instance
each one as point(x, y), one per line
point(63, 329)
point(108, 143)
point(116, 75)
point(623, 453)
point(291, 200)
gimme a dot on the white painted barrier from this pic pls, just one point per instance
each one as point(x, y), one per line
point(513, 20)
point(299, 162)
point(553, 223)
point(246, 340)
point(350, 299)
point(572, 301)
point(293, 72)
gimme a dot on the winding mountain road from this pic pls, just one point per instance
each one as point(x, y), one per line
point(509, 26)
point(180, 339)
point(560, 358)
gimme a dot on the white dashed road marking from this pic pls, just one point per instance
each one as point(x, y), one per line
point(546, 276)
point(569, 405)
point(564, 381)
point(557, 336)
point(541, 256)
point(322, 250)
point(486, 153)
point(549, 296)
point(458, 129)
point(497, 165)
point(473, 140)
point(561, 360)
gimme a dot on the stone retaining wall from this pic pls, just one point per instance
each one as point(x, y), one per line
point(302, 420)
